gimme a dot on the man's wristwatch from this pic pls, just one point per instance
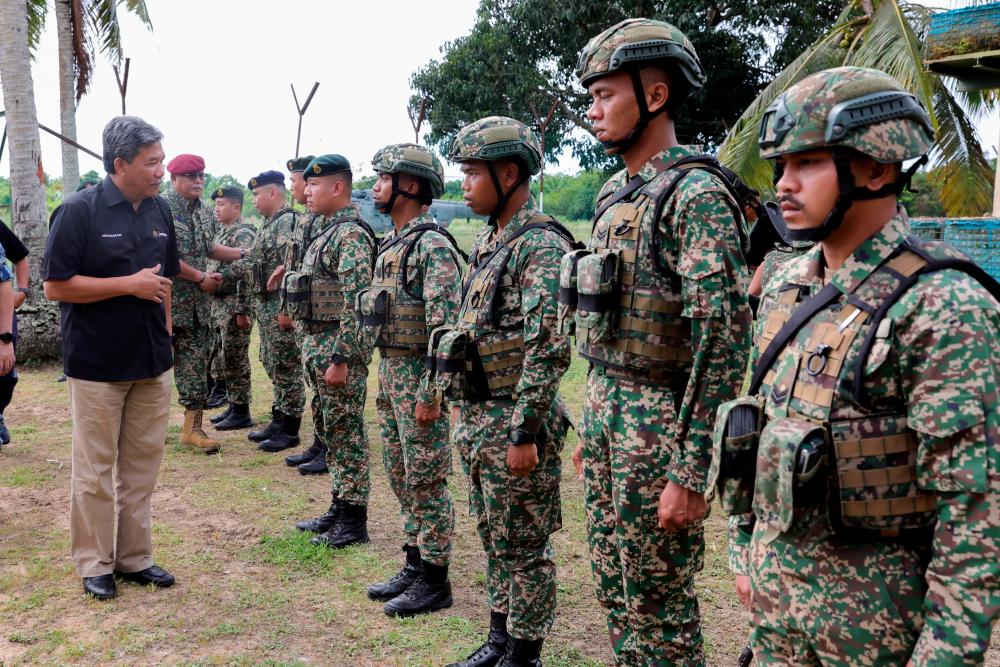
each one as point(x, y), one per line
point(338, 359)
point(7, 337)
point(243, 253)
point(519, 437)
point(23, 290)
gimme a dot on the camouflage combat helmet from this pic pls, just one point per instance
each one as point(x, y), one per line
point(629, 46)
point(850, 111)
point(410, 159)
point(854, 107)
point(494, 138)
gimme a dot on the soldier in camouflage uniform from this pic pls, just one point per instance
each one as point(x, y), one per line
point(279, 351)
point(322, 296)
point(867, 446)
point(658, 301)
point(503, 360)
point(231, 309)
point(191, 308)
point(416, 288)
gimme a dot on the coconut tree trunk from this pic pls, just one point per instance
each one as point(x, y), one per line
point(38, 319)
point(67, 95)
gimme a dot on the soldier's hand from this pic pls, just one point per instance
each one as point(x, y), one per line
point(680, 507)
point(6, 358)
point(19, 299)
point(285, 322)
point(426, 414)
point(148, 284)
point(743, 589)
point(522, 459)
point(578, 460)
point(455, 412)
point(211, 282)
point(336, 375)
point(242, 321)
point(274, 282)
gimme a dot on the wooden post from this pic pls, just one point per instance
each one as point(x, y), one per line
point(543, 124)
point(123, 82)
point(302, 112)
point(418, 121)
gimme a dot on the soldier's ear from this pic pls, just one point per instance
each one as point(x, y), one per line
point(873, 175)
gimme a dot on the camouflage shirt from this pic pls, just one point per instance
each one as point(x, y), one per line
point(944, 361)
point(700, 253)
point(233, 297)
point(270, 249)
point(195, 227)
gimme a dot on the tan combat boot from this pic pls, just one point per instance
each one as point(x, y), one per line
point(194, 436)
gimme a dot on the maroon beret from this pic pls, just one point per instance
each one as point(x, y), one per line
point(186, 164)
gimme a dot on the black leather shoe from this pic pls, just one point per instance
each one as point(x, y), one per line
point(315, 467)
point(490, 653)
point(222, 415)
point(315, 449)
point(217, 397)
point(284, 437)
point(430, 592)
point(151, 575)
point(4, 433)
point(351, 528)
point(399, 582)
point(101, 587)
point(522, 653)
point(263, 434)
point(322, 523)
point(239, 417)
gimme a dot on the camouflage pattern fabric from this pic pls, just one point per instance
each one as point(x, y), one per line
point(856, 602)
point(232, 361)
point(346, 253)
point(279, 350)
point(418, 459)
point(515, 516)
point(190, 308)
point(495, 137)
point(411, 159)
point(637, 437)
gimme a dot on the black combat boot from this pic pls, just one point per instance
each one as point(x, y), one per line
point(265, 433)
point(222, 416)
point(322, 523)
point(217, 395)
point(489, 654)
point(522, 653)
point(412, 569)
point(285, 436)
point(432, 591)
point(239, 417)
point(293, 460)
point(315, 467)
point(351, 528)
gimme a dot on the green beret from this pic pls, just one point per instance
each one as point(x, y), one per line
point(228, 192)
point(324, 165)
point(299, 163)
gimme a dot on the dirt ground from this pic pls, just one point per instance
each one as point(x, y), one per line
point(250, 589)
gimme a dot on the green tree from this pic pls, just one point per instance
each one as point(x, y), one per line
point(887, 35)
point(520, 59)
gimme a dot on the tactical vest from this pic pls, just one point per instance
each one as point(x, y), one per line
point(483, 354)
point(225, 239)
point(314, 293)
point(393, 315)
point(824, 441)
point(259, 271)
point(625, 308)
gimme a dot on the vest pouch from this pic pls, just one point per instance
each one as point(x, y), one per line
point(449, 361)
point(372, 311)
point(295, 295)
point(790, 465)
point(597, 290)
point(326, 299)
point(734, 458)
point(259, 280)
point(568, 291)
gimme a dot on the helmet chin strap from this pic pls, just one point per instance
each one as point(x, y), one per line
point(848, 194)
point(645, 115)
point(502, 197)
point(395, 192)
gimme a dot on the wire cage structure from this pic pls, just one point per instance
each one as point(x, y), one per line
point(964, 43)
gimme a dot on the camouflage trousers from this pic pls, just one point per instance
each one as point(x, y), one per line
point(215, 362)
point(339, 419)
point(514, 518)
point(644, 576)
point(192, 348)
point(417, 459)
point(234, 360)
point(282, 360)
point(817, 601)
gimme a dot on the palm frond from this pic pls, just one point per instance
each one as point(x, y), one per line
point(138, 7)
point(963, 175)
point(37, 11)
point(103, 28)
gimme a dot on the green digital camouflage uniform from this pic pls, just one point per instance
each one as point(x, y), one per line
point(417, 459)
point(344, 249)
point(190, 308)
point(279, 350)
point(231, 299)
point(516, 515)
point(890, 552)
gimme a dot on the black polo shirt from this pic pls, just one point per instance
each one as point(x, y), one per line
point(97, 233)
point(12, 246)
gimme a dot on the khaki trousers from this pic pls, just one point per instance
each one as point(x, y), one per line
point(119, 429)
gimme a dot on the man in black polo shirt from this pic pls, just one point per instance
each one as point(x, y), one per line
point(108, 258)
point(18, 256)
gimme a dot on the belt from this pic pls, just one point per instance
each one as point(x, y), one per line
point(314, 326)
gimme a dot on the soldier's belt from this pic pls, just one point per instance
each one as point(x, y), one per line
point(315, 327)
point(392, 352)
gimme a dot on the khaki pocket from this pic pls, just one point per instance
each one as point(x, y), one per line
point(597, 289)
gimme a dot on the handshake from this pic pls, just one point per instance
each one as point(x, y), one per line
point(210, 281)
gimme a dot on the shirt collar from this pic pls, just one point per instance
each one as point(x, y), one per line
point(869, 255)
point(422, 219)
point(662, 161)
point(112, 196)
point(518, 220)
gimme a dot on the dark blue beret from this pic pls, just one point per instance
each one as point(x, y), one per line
point(266, 178)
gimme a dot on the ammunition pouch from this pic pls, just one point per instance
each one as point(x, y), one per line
point(734, 461)
point(568, 291)
point(259, 280)
point(446, 360)
point(597, 295)
point(791, 470)
point(295, 294)
point(390, 324)
point(493, 365)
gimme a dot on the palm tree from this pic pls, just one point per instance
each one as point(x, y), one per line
point(886, 35)
point(82, 28)
point(39, 321)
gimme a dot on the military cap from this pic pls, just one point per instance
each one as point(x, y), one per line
point(228, 192)
point(324, 165)
point(269, 177)
point(186, 163)
point(299, 163)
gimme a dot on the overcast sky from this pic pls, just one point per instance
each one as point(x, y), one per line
point(214, 75)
